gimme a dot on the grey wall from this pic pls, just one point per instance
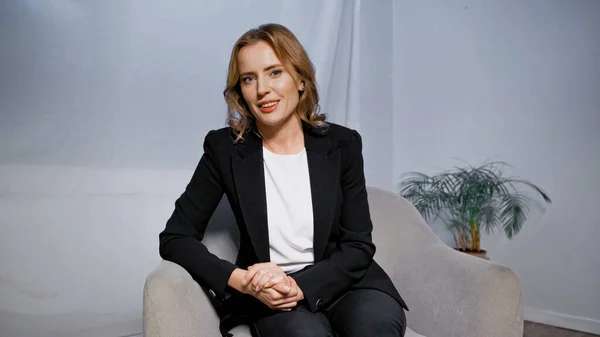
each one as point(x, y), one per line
point(376, 90)
point(518, 82)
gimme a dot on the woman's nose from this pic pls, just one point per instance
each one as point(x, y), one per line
point(263, 87)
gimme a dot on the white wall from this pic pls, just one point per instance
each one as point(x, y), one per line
point(518, 82)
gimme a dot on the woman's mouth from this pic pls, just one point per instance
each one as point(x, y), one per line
point(268, 107)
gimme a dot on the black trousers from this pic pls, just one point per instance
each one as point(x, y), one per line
point(359, 313)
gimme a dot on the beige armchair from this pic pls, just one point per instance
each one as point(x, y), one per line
point(449, 294)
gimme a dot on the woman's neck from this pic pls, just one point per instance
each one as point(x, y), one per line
point(287, 139)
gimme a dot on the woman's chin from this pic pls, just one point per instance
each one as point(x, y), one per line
point(273, 119)
point(270, 120)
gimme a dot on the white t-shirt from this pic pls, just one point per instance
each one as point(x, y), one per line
point(289, 210)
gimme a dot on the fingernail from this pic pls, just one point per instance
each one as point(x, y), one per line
point(286, 288)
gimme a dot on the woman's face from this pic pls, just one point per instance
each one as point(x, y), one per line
point(271, 92)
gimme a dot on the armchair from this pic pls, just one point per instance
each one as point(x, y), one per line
point(449, 294)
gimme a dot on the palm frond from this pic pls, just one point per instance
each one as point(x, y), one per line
point(512, 215)
point(488, 218)
point(540, 191)
point(424, 193)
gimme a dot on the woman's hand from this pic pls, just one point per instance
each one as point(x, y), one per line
point(266, 275)
point(269, 284)
point(276, 290)
point(280, 301)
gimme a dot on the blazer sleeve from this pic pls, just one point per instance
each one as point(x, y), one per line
point(181, 240)
point(329, 278)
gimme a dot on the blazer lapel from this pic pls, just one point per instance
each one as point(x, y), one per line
point(324, 170)
point(249, 178)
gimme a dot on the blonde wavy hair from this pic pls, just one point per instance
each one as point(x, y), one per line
point(293, 56)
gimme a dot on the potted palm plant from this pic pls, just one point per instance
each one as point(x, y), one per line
point(471, 199)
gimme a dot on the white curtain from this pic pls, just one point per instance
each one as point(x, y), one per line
point(103, 110)
point(136, 83)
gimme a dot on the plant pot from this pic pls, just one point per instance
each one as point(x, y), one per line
point(480, 254)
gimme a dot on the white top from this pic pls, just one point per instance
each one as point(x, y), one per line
point(289, 210)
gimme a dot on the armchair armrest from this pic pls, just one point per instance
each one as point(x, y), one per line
point(176, 306)
point(451, 294)
point(448, 293)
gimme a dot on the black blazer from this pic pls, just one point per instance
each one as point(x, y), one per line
point(343, 249)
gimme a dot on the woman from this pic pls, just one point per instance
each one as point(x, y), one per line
point(296, 186)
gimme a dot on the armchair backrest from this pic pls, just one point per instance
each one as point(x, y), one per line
point(398, 227)
point(399, 232)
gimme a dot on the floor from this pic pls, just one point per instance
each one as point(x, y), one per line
point(541, 330)
point(536, 330)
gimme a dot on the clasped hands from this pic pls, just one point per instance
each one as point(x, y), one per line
point(269, 284)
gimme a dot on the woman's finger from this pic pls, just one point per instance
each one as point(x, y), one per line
point(270, 296)
point(283, 301)
point(259, 282)
point(257, 269)
point(271, 275)
point(273, 281)
point(286, 306)
point(284, 287)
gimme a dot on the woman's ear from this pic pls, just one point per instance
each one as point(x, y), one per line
point(301, 86)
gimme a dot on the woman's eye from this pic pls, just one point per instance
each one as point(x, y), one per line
point(276, 72)
point(247, 79)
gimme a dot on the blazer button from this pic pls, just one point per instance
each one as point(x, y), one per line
point(212, 293)
point(319, 303)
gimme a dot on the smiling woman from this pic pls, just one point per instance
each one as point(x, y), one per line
point(258, 76)
point(271, 92)
point(297, 188)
